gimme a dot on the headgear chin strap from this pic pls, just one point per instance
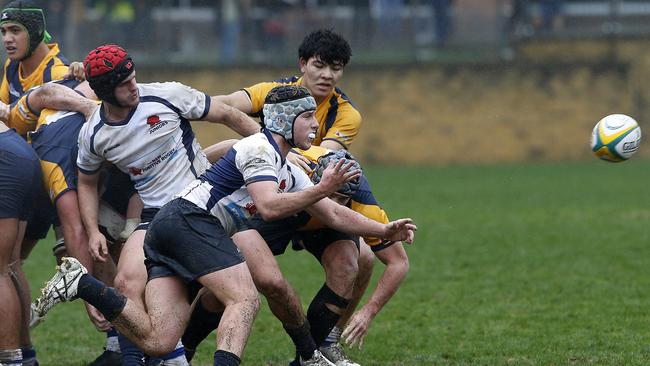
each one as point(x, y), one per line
point(106, 67)
point(283, 105)
point(29, 16)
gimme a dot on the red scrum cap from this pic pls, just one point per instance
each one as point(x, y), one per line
point(106, 67)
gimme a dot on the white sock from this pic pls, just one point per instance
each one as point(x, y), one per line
point(112, 343)
point(334, 336)
point(11, 356)
point(177, 357)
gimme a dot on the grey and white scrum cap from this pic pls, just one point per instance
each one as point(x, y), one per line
point(350, 187)
point(281, 107)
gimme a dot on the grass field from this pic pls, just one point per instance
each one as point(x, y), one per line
point(531, 264)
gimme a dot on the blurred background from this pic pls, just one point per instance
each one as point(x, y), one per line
point(437, 81)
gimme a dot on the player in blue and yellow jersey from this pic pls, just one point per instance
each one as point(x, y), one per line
point(322, 56)
point(55, 142)
point(31, 60)
point(392, 254)
point(20, 177)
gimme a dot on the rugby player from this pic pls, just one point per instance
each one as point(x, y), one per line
point(359, 198)
point(144, 130)
point(20, 178)
point(31, 62)
point(322, 56)
point(55, 142)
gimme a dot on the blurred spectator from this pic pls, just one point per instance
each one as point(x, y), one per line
point(387, 15)
point(274, 31)
point(230, 19)
point(143, 26)
point(518, 26)
point(55, 13)
point(442, 16)
point(120, 17)
point(519, 23)
point(550, 15)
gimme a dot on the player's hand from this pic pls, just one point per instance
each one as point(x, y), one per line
point(335, 175)
point(357, 328)
point(97, 247)
point(300, 161)
point(4, 112)
point(400, 230)
point(75, 71)
point(98, 320)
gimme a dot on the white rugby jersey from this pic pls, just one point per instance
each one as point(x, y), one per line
point(155, 144)
point(222, 189)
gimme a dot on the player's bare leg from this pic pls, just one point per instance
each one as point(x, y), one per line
point(280, 295)
point(331, 347)
point(11, 311)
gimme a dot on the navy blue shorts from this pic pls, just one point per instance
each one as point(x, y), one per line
point(278, 234)
point(20, 177)
point(186, 241)
point(315, 241)
point(43, 216)
point(118, 189)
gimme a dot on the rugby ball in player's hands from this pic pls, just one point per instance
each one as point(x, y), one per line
point(616, 138)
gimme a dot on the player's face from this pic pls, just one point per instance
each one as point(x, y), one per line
point(304, 130)
point(319, 77)
point(127, 93)
point(15, 40)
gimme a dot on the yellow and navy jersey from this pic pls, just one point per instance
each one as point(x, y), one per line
point(23, 119)
point(338, 118)
point(53, 135)
point(52, 67)
point(55, 143)
point(362, 201)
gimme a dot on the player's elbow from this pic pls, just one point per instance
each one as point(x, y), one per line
point(267, 213)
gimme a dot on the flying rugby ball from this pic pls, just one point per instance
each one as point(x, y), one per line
point(616, 138)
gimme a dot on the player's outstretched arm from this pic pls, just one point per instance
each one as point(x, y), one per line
point(397, 265)
point(232, 117)
point(344, 219)
point(59, 97)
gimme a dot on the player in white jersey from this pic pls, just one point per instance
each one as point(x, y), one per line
point(144, 130)
point(189, 239)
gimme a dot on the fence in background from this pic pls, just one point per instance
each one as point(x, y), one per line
point(245, 32)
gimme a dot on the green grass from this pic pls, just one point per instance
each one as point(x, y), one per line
point(531, 264)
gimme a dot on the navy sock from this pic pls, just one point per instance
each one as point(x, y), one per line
point(301, 337)
point(131, 354)
point(225, 358)
point(321, 318)
point(106, 299)
point(29, 356)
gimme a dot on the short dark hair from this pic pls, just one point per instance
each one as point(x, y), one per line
point(286, 93)
point(330, 47)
